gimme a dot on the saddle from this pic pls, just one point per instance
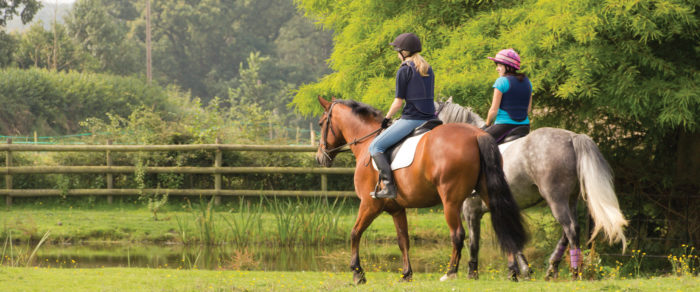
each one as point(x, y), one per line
point(515, 133)
point(401, 154)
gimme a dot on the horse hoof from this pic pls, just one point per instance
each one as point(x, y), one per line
point(514, 278)
point(447, 277)
point(551, 275)
point(359, 278)
point(527, 274)
point(575, 275)
point(473, 276)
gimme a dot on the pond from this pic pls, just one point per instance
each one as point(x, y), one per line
point(425, 257)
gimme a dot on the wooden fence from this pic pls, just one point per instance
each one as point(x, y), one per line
point(109, 170)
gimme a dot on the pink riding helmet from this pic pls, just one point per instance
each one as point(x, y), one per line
point(507, 57)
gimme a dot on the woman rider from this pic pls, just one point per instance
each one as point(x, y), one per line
point(512, 97)
point(415, 84)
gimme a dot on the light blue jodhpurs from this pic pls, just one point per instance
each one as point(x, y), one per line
point(394, 133)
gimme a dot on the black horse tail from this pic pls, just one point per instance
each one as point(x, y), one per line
point(505, 214)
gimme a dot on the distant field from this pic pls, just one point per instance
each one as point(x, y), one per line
point(123, 279)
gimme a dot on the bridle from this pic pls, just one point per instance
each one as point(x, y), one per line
point(324, 145)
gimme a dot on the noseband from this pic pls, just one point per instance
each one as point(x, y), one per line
point(324, 146)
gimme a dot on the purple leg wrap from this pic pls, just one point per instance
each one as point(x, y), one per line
point(576, 257)
point(558, 253)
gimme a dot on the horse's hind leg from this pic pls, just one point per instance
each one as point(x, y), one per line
point(401, 225)
point(555, 258)
point(566, 215)
point(457, 235)
point(524, 266)
point(367, 213)
point(472, 215)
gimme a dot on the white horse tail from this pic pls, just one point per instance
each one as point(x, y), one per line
point(595, 179)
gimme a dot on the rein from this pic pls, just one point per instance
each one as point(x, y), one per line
point(325, 134)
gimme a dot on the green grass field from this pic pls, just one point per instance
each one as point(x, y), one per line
point(125, 279)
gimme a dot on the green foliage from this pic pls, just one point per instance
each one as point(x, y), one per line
point(55, 103)
point(9, 8)
point(96, 28)
point(49, 49)
point(8, 43)
point(636, 60)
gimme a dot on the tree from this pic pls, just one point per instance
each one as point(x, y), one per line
point(631, 63)
point(100, 29)
point(8, 45)
point(10, 8)
point(200, 44)
point(36, 47)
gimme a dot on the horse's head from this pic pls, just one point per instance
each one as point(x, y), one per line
point(330, 138)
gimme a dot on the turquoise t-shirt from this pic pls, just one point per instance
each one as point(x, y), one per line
point(502, 117)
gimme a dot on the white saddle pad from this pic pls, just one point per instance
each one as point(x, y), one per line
point(407, 151)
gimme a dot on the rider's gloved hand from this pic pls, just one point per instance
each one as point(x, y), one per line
point(484, 127)
point(385, 123)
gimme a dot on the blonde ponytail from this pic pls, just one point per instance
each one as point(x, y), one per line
point(421, 64)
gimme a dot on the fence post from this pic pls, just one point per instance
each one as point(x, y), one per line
point(217, 176)
point(296, 138)
point(311, 130)
point(8, 176)
point(110, 177)
point(324, 184)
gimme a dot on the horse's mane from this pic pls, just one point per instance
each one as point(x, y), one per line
point(362, 110)
point(455, 113)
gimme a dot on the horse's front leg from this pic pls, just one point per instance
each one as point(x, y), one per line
point(457, 235)
point(401, 225)
point(368, 211)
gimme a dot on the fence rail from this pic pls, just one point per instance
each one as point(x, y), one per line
point(109, 170)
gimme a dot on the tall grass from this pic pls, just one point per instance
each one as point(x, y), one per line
point(247, 222)
point(19, 255)
point(208, 233)
point(286, 215)
point(296, 221)
point(311, 221)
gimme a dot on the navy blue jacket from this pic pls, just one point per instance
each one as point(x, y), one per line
point(417, 90)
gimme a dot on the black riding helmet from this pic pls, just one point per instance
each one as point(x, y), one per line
point(407, 42)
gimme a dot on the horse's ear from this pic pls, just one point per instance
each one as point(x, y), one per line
point(449, 100)
point(324, 103)
point(333, 98)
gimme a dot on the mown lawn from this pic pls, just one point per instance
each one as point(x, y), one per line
point(126, 279)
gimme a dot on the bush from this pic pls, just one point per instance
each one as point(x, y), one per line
point(54, 103)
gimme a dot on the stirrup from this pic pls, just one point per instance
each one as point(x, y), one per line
point(377, 194)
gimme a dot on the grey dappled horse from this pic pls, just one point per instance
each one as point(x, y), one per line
point(555, 165)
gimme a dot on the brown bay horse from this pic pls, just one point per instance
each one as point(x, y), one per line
point(450, 161)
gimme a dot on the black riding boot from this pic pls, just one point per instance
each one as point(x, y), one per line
point(385, 176)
